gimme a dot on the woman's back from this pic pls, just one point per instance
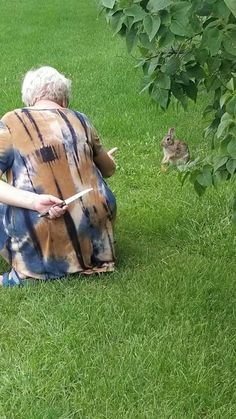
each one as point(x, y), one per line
point(51, 151)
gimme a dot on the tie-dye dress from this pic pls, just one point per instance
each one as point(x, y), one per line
point(51, 151)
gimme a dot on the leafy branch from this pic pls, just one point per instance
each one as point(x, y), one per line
point(184, 46)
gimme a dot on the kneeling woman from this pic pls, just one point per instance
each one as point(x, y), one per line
point(49, 153)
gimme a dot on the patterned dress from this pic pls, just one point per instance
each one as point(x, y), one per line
point(51, 151)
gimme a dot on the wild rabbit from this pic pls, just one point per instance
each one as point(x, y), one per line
point(175, 151)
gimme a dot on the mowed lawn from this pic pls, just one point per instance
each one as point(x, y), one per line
point(156, 339)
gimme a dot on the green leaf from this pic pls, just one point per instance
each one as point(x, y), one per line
point(180, 28)
point(225, 122)
point(117, 20)
point(180, 24)
point(196, 71)
point(171, 65)
point(177, 91)
point(166, 38)
point(226, 117)
point(219, 161)
point(191, 90)
point(182, 78)
point(146, 87)
point(229, 42)
point(136, 12)
point(223, 128)
point(199, 188)
point(231, 166)
point(231, 106)
point(214, 64)
point(220, 176)
point(224, 144)
point(224, 99)
point(220, 9)
point(205, 178)
point(163, 80)
point(230, 85)
point(144, 40)
point(156, 5)
point(131, 39)
point(153, 64)
point(151, 25)
point(204, 9)
point(231, 4)
point(128, 21)
point(195, 24)
point(161, 96)
point(187, 55)
point(147, 24)
point(180, 6)
point(201, 55)
point(232, 129)
point(182, 176)
point(231, 148)
point(207, 110)
point(212, 83)
point(108, 3)
point(211, 39)
point(165, 18)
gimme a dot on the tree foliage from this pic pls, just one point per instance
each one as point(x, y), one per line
point(186, 47)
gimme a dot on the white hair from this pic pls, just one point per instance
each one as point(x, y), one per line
point(45, 83)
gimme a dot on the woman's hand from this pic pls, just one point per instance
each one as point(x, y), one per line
point(105, 161)
point(49, 203)
point(111, 152)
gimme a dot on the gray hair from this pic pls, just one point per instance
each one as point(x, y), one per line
point(45, 83)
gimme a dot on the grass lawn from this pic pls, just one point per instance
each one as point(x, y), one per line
point(156, 339)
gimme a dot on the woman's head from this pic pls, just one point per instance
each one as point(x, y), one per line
point(45, 83)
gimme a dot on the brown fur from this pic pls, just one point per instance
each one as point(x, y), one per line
point(175, 151)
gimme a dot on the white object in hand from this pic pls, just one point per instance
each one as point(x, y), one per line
point(112, 151)
point(68, 201)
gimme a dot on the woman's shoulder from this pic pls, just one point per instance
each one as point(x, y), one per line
point(80, 115)
point(83, 118)
point(5, 130)
point(2, 125)
point(11, 114)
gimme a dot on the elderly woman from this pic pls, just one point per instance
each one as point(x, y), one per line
point(49, 153)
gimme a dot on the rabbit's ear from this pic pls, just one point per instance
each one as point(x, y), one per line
point(171, 132)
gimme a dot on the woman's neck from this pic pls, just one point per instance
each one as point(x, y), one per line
point(46, 104)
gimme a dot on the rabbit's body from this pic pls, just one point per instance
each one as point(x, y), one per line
point(175, 151)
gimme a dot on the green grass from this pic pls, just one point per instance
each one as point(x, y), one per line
point(156, 339)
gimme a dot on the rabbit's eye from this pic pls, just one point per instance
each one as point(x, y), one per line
point(168, 139)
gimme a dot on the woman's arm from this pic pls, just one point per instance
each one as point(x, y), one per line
point(10, 195)
point(105, 162)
